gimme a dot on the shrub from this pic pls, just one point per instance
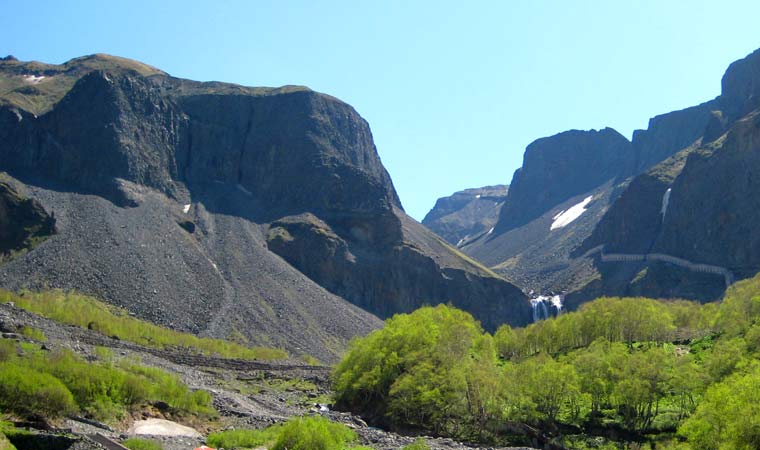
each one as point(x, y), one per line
point(33, 334)
point(244, 438)
point(142, 444)
point(306, 433)
point(313, 433)
point(418, 444)
point(27, 392)
point(7, 349)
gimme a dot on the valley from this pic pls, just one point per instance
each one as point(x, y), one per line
point(237, 260)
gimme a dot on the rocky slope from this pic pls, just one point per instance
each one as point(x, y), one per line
point(560, 167)
point(466, 214)
point(565, 185)
point(697, 205)
point(195, 204)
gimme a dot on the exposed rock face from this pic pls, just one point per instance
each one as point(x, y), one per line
point(711, 207)
point(669, 133)
point(23, 222)
point(683, 191)
point(466, 214)
point(559, 173)
point(562, 166)
point(386, 279)
point(194, 173)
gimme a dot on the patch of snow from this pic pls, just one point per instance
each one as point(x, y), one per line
point(161, 427)
point(18, 115)
point(244, 190)
point(477, 196)
point(665, 203)
point(186, 208)
point(565, 218)
point(558, 214)
point(490, 231)
point(33, 79)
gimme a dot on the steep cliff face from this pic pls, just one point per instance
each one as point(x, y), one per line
point(680, 189)
point(697, 205)
point(194, 174)
point(24, 223)
point(669, 133)
point(714, 208)
point(566, 184)
point(466, 214)
point(386, 279)
point(562, 166)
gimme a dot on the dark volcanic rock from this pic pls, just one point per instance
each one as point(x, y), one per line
point(466, 214)
point(669, 133)
point(23, 222)
point(712, 207)
point(229, 160)
point(685, 192)
point(562, 166)
point(740, 87)
point(387, 279)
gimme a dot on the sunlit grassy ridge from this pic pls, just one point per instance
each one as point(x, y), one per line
point(87, 312)
point(618, 373)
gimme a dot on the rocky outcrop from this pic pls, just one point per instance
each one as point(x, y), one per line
point(187, 178)
point(670, 133)
point(24, 223)
point(387, 279)
point(466, 214)
point(562, 166)
point(697, 205)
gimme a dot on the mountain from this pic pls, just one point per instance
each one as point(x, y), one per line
point(564, 186)
point(698, 206)
point(466, 214)
point(669, 214)
point(222, 209)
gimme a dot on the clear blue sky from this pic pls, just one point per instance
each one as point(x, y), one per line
point(453, 90)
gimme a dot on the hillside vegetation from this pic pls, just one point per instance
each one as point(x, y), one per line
point(618, 373)
point(50, 385)
point(87, 312)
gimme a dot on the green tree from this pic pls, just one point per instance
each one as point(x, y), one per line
point(729, 415)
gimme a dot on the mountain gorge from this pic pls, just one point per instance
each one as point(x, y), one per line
point(221, 209)
point(668, 214)
point(464, 215)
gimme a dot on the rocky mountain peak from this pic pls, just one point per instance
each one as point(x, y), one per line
point(466, 214)
point(740, 86)
point(559, 167)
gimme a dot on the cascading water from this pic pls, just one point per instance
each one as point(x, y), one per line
point(545, 306)
point(665, 203)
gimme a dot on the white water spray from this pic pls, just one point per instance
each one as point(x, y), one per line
point(545, 306)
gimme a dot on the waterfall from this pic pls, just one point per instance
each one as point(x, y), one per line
point(545, 306)
point(665, 203)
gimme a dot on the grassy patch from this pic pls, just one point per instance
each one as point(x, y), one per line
point(87, 312)
point(52, 385)
point(244, 438)
point(142, 444)
point(33, 334)
point(301, 433)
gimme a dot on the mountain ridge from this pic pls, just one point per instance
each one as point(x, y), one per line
point(195, 175)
